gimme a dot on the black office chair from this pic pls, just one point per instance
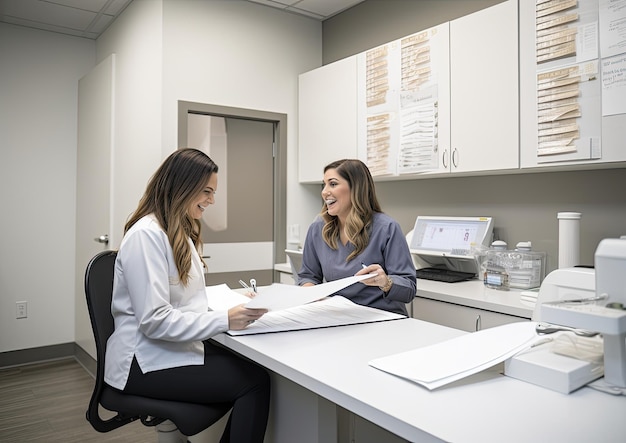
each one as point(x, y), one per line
point(190, 418)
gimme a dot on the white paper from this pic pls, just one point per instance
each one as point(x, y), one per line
point(222, 298)
point(442, 363)
point(612, 27)
point(282, 296)
point(332, 311)
point(614, 85)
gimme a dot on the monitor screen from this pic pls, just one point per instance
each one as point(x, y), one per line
point(450, 236)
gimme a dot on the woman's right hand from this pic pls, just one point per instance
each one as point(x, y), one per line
point(240, 317)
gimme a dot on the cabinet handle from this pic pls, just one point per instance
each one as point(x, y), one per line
point(445, 158)
point(455, 158)
point(478, 323)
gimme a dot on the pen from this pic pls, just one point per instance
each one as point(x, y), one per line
point(363, 265)
point(243, 283)
point(253, 284)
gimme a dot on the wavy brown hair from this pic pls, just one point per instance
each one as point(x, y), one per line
point(364, 205)
point(169, 193)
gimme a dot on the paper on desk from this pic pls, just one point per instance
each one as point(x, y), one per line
point(332, 311)
point(222, 298)
point(442, 363)
point(281, 296)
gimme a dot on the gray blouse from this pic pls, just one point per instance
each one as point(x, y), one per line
point(387, 247)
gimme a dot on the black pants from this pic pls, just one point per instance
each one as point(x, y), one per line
point(224, 378)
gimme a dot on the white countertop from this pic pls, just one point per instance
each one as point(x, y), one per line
point(486, 407)
point(283, 267)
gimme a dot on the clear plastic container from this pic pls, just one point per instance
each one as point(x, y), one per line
point(521, 268)
point(526, 268)
point(495, 275)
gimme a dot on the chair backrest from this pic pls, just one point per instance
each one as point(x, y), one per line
point(190, 418)
point(99, 292)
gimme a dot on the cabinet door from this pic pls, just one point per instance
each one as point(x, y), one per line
point(484, 90)
point(459, 317)
point(327, 118)
point(599, 137)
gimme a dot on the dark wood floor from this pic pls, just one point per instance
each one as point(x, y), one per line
point(47, 402)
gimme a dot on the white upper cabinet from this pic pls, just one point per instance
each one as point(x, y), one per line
point(573, 99)
point(484, 106)
point(440, 101)
point(327, 118)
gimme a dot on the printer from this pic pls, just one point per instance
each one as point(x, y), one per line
point(583, 300)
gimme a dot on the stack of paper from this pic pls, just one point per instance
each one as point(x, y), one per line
point(294, 308)
point(442, 363)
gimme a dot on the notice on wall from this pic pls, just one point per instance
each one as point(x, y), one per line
point(562, 95)
point(612, 27)
point(614, 85)
point(399, 115)
point(556, 29)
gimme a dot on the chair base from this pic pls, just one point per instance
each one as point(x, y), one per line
point(169, 433)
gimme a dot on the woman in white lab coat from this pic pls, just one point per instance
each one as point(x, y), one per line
point(160, 345)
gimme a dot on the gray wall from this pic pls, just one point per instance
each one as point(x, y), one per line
point(524, 206)
point(376, 22)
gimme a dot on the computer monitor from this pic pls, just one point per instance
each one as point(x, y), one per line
point(451, 242)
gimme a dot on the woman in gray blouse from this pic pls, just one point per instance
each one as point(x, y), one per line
point(352, 236)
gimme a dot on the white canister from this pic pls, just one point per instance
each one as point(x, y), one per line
point(569, 239)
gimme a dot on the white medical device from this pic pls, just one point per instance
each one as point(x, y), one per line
point(451, 242)
point(595, 300)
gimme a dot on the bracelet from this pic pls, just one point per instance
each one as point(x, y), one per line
point(387, 286)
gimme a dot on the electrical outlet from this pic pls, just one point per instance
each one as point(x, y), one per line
point(21, 309)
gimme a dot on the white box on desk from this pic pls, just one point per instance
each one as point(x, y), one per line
point(542, 367)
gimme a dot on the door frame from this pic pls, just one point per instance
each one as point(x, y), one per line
point(280, 159)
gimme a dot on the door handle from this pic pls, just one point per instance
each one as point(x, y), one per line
point(102, 239)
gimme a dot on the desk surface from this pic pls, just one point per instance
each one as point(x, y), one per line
point(486, 407)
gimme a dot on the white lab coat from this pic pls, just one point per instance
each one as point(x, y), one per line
point(157, 319)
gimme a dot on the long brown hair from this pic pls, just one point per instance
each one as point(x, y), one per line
point(169, 193)
point(364, 205)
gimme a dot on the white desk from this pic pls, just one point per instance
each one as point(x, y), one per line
point(487, 407)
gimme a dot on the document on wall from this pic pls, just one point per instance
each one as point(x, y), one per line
point(614, 85)
point(329, 312)
point(442, 363)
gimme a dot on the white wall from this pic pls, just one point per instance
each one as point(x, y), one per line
point(244, 55)
point(222, 53)
point(39, 73)
point(227, 53)
point(136, 39)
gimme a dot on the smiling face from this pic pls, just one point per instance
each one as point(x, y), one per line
point(336, 194)
point(205, 198)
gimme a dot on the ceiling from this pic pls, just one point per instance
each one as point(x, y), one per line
point(90, 18)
